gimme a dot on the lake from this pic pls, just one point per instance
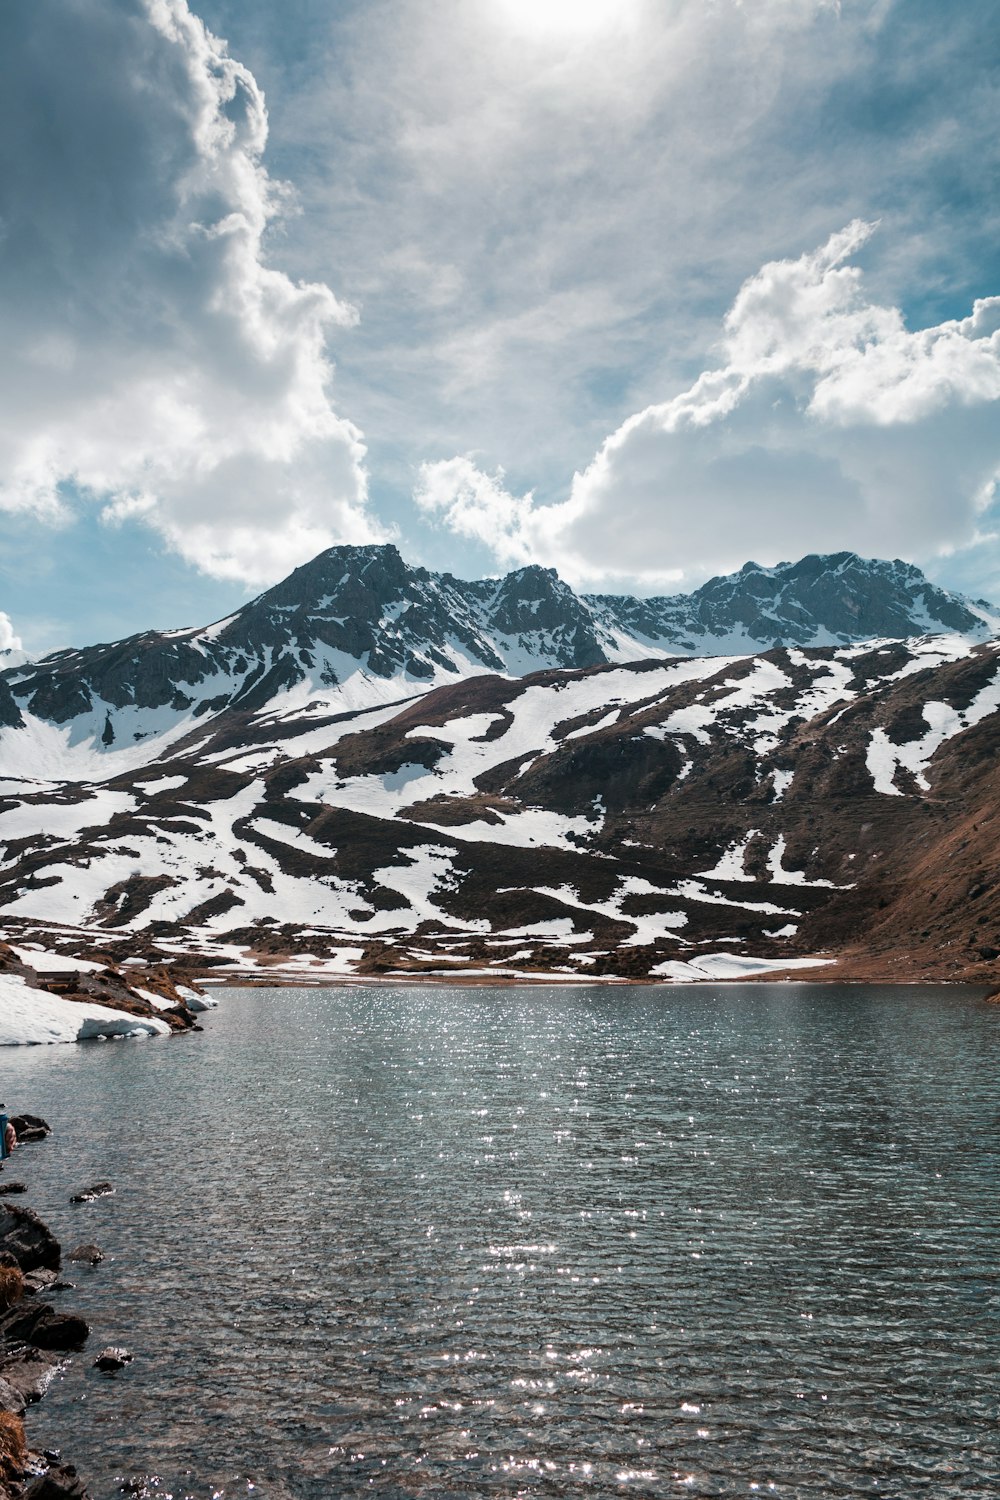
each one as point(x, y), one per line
point(428, 1241)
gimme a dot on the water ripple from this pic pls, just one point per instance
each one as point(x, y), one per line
point(406, 1242)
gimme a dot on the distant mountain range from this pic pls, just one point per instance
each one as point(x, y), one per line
point(358, 625)
point(373, 769)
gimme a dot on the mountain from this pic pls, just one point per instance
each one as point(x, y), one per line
point(351, 775)
point(819, 601)
point(358, 626)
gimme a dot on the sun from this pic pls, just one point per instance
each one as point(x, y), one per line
point(567, 18)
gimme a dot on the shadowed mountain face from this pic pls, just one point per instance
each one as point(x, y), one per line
point(351, 775)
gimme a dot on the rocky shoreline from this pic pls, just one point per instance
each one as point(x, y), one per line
point(35, 1338)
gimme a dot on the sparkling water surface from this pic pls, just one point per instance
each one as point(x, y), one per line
point(712, 1240)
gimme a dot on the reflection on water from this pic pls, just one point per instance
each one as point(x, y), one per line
point(427, 1242)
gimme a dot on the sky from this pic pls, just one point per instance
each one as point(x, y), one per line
point(635, 289)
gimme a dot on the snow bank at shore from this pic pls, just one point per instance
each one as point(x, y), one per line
point(29, 1017)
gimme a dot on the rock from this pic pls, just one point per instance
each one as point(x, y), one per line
point(31, 1243)
point(113, 1358)
point(9, 1188)
point(11, 1286)
point(62, 1482)
point(38, 1324)
point(11, 1398)
point(28, 1372)
point(30, 1127)
point(39, 1281)
point(96, 1190)
point(89, 1253)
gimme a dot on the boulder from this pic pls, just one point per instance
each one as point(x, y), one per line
point(38, 1324)
point(40, 1281)
point(30, 1127)
point(28, 1372)
point(88, 1253)
point(31, 1243)
point(113, 1358)
point(7, 1189)
point(62, 1482)
point(96, 1190)
point(11, 1398)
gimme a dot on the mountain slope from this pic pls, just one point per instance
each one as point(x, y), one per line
point(674, 818)
point(357, 626)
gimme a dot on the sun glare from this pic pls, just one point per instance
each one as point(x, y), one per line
point(566, 18)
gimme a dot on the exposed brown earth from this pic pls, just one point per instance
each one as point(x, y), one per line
point(761, 763)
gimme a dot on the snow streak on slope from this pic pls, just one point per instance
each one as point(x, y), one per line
point(608, 821)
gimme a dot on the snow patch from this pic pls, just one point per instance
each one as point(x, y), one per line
point(30, 1017)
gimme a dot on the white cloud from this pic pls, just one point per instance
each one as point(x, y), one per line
point(828, 424)
point(152, 360)
point(8, 640)
point(477, 506)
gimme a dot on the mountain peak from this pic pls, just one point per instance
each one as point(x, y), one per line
point(361, 625)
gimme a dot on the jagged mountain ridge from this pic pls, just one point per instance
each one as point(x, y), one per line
point(359, 773)
point(358, 625)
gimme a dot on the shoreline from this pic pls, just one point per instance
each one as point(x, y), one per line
point(563, 981)
point(50, 992)
point(37, 1339)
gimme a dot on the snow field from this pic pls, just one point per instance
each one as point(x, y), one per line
point(29, 1017)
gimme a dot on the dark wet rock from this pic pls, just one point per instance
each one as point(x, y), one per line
point(91, 1254)
point(31, 1243)
point(11, 1398)
point(38, 1324)
point(113, 1358)
point(97, 1190)
point(39, 1281)
point(28, 1372)
point(30, 1127)
point(7, 1189)
point(62, 1482)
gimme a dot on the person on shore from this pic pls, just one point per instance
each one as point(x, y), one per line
point(9, 1138)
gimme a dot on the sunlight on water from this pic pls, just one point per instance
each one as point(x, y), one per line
point(417, 1242)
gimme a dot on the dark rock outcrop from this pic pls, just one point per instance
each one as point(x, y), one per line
point(27, 1240)
point(61, 1482)
point(28, 1373)
point(36, 1323)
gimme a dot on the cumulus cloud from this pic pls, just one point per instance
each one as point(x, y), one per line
point(478, 506)
point(153, 362)
point(827, 424)
point(8, 640)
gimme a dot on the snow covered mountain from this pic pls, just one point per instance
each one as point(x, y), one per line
point(349, 776)
point(358, 626)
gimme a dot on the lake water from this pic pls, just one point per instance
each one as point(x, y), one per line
point(717, 1240)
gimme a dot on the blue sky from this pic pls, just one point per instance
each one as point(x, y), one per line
point(637, 289)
